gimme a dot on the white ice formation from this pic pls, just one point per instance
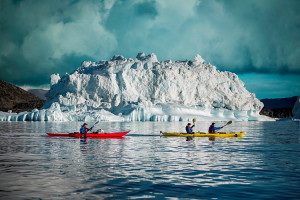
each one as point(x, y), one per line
point(145, 89)
point(296, 108)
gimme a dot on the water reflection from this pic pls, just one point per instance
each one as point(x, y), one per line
point(189, 138)
point(83, 141)
point(263, 164)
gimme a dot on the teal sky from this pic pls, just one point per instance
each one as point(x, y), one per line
point(272, 85)
point(258, 39)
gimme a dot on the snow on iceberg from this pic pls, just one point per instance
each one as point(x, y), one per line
point(144, 89)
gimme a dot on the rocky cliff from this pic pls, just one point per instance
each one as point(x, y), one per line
point(16, 99)
point(279, 107)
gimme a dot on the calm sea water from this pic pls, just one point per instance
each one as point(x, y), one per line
point(265, 164)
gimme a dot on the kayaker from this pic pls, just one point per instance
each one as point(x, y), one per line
point(189, 128)
point(212, 128)
point(84, 129)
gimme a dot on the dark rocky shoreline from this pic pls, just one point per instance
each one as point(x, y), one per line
point(278, 108)
point(16, 99)
point(277, 112)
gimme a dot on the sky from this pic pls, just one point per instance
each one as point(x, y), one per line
point(257, 39)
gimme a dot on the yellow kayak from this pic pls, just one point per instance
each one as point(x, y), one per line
point(201, 134)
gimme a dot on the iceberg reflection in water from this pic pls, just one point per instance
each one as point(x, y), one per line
point(263, 164)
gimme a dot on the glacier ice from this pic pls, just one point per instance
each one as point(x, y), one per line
point(296, 108)
point(143, 89)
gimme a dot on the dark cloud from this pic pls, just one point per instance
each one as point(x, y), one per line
point(146, 8)
point(39, 38)
point(253, 35)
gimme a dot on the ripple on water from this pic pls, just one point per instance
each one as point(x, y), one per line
point(263, 164)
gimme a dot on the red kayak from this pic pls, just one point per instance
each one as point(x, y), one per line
point(94, 135)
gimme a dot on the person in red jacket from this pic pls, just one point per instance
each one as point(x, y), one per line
point(213, 129)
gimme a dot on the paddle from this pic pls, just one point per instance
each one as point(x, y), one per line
point(230, 122)
point(94, 125)
point(194, 120)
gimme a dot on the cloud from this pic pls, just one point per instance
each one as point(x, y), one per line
point(39, 38)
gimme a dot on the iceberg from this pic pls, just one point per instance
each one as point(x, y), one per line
point(146, 89)
point(296, 108)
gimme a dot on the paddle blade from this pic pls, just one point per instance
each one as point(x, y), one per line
point(194, 120)
point(230, 122)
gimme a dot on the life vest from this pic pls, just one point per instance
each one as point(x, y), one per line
point(187, 129)
point(210, 130)
point(83, 130)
